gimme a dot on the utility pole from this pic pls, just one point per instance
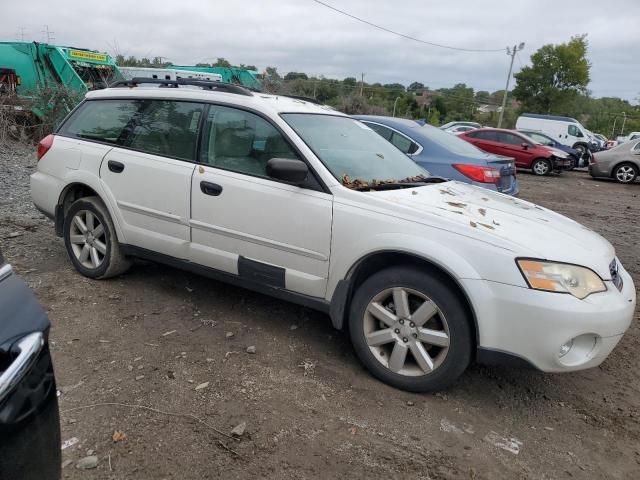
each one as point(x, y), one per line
point(48, 34)
point(624, 120)
point(613, 131)
point(512, 54)
point(21, 34)
point(395, 102)
point(362, 85)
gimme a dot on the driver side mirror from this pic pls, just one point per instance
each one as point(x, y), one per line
point(287, 170)
point(525, 145)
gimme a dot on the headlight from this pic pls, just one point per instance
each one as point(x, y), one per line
point(561, 277)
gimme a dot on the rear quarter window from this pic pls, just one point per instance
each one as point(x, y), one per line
point(101, 120)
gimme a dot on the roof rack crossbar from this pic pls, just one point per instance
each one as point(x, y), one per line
point(205, 84)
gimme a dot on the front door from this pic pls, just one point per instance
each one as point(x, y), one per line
point(244, 222)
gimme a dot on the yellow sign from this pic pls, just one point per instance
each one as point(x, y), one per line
point(82, 55)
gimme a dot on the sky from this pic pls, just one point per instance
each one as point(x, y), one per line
point(302, 35)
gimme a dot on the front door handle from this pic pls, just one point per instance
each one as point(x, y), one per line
point(209, 188)
point(115, 167)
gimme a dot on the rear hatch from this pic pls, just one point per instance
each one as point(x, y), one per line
point(507, 168)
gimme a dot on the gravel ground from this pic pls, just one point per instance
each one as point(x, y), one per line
point(177, 343)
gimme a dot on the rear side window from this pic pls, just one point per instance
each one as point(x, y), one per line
point(167, 128)
point(384, 132)
point(101, 120)
point(490, 136)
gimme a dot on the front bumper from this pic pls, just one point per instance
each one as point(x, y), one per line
point(561, 163)
point(533, 325)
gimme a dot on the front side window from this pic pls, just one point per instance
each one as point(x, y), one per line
point(168, 128)
point(101, 120)
point(242, 141)
point(351, 150)
point(574, 131)
point(509, 138)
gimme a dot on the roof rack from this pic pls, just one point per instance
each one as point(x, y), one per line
point(205, 84)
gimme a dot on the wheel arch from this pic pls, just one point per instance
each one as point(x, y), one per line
point(80, 188)
point(379, 260)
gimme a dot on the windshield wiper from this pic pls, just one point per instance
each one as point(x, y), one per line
point(409, 182)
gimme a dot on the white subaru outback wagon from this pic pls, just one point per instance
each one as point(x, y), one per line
point(293, 199)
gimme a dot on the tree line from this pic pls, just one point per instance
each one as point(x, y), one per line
point(556, 82)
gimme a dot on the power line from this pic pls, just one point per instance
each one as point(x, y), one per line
point(408, 37)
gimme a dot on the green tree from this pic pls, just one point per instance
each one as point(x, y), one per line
point(295, 76)
point(434, 119)
point(222, 62)
point(415, 86)
point(557, 75)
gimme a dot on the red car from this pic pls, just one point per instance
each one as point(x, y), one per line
point(527, 152)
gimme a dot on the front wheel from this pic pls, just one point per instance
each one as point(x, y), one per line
point(91, 240)
point(625, 173)
point(541, 167)
point(410, 329)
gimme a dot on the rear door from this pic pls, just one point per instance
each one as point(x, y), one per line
point(148, 178)
point(244, 222)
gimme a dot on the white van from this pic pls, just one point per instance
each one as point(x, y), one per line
point(565, 130)
point(129, 73)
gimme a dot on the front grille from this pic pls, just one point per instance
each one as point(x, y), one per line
point(615, 274)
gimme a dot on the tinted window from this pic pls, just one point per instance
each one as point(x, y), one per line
point(403, 143)
point(490, 136)
point(384, 132)
point(102, 120)
point(509, 138)
point(241, 141)
point(167, 128)
point(539, 138)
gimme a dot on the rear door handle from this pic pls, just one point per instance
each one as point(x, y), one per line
point(115, 167)
point(209, 188)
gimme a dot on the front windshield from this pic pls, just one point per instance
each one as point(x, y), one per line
point(352, 152)
point(450, 142)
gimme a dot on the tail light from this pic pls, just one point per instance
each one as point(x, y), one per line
point(478, 173)
point(44, 145)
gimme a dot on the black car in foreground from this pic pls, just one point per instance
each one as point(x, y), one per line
point(29, 417)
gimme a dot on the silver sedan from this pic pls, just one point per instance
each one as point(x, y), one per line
point(621, 163)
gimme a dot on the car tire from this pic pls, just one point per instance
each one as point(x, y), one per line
point(541, 167)
point(385, 340)
point(91, 241)
point(625, 173)
point(573, 162)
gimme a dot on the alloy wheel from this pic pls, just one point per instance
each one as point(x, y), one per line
point(88, 239)
point(541, 168)
point(625, 173)
point(406, 331)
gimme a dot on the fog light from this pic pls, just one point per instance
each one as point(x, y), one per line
point(564, 349)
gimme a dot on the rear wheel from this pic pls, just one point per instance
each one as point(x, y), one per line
point(625, 173)
point(91, 240)
point(410, 329)
point(541, 167)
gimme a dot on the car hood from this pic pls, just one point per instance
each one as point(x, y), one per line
point(527, 229)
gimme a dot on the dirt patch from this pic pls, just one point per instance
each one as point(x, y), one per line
point(177, 343)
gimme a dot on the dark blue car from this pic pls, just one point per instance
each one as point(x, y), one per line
point(547, 141)
point(445, 155)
